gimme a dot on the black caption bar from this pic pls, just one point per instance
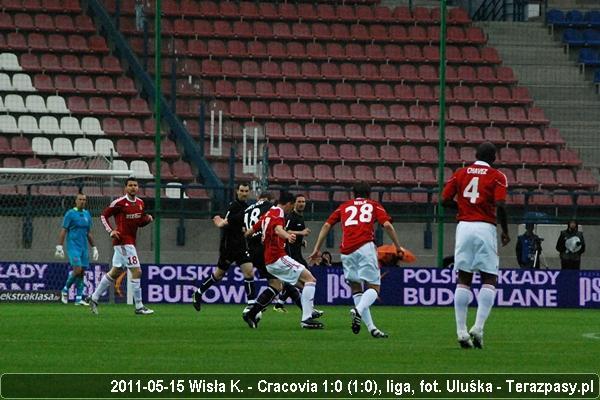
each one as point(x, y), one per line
point(299, 386)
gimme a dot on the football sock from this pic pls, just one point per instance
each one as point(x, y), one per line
point(137, 293)
point(104, 284)
point(485, 301)
point(368, 298)
point(69, 282)
point(263, 300)
point(462, 298)
point(308, 298)
point(208, 282)
point(250, 290)
point(293, 293)
point(79, 286)
point(366, 315)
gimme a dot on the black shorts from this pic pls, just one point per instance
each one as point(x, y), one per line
point(237, 256)
point(257, 253)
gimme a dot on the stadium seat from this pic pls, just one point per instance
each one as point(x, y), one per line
point(105, 147)
point(70, 126)
point(49, 125)
point(83, 147)
point(35, 104)
point(28, 125)
point(343, 173)
point(42, 146)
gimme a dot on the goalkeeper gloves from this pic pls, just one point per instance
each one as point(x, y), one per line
point(95, 253)
point(60, 252)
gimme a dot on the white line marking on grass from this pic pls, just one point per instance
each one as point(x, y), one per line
point(592, 335)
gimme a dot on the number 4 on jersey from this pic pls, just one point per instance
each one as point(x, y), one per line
point(471, 191)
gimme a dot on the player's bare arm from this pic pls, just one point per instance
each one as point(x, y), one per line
point(503, 221)
point(219, 221)
point(391, 232)
point(282, 233)
point(303, 232)
point(320, 239)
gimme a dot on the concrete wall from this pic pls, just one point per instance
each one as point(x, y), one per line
point(202, 240)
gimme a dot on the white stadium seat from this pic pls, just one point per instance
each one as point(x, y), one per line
point(49, 125)
point(5, 84)
point(57, 105)
point(9, 62)
point(70, 126)
point(84, 147)
point(105, 147)
point(119, 165)
point(22, 83)
point(63, 146)
point(2, 109)
point(28, 125)
point(8, 124)
point(91, 126)
point(141, 169)
point(174, 189)
point(35, 104)
point(41, 145)
point(14, 103)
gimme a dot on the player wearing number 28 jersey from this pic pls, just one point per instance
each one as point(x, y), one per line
point(480, 192)
point(359, 255)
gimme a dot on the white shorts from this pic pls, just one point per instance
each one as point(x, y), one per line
point(286, 269)
point(361, 265)
point(125, 256)
point(476, 247)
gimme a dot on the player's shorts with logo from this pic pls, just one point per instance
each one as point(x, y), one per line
point(286, 269)
point(476, 247)
point(125, 256)
point(233, 255)
point(362, 265)
point(78, 257)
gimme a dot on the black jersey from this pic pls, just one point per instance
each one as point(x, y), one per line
point(233, 234)
point(251, 216)
point(295, 222)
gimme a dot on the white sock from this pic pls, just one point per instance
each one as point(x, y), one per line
point(308, 299)
point(104, 284)
point(366, 315)
point(137, 293)
point(462, 298)
point(368, 298)
point(485, 300)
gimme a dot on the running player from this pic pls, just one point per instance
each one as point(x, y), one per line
point(129, 214)
point(76, 227)
point(480, 191)
point(359, 254)
point(280, 266)
point(232, 249)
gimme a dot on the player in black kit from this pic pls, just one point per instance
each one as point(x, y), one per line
point(232, 248)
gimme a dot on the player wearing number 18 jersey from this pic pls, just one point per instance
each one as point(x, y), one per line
point(480, 192)
point(359, 255)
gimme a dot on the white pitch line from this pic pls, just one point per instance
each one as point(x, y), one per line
point(592, 335)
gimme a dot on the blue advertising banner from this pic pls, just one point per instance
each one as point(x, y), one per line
point(400, 286)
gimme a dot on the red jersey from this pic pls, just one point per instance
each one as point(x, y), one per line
point(478, 187)
point(129, 216)
point(273, 244)
point(358, 216)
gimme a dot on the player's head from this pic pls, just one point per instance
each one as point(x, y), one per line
point(242, 191)
point(361, 190)
point(286, 201)
point(529, 227)
point(486, 151)
point(80, 201)
point(131, 186)
point(573, 225)
point(265, 196)
point(300, 203)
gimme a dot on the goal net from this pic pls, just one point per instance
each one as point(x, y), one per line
point(33, 202)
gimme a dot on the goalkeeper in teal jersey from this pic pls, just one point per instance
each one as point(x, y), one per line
point(76, 228)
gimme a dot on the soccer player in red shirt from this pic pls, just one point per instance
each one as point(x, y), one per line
point(129, 215)
point(359, 255)
point(280, 266)
point(480, 192)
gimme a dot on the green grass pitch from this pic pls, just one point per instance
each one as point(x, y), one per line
point(65, 338)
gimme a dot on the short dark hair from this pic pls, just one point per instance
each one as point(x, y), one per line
point(130, 179)
point(265, 195)
point(298, 195)
point(241, 184)
point(486, 151)
point(285, 197)
point(361, 189)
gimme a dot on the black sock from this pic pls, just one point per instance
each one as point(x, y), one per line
point(265, 298)
point(293, 293)
point(250, 290)
point(208, 282)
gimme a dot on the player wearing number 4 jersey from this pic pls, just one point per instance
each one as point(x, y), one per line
point(359, 255)
point(129, 215)
point(480, 192)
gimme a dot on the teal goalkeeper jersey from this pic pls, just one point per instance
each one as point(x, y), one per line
point(78, 224)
